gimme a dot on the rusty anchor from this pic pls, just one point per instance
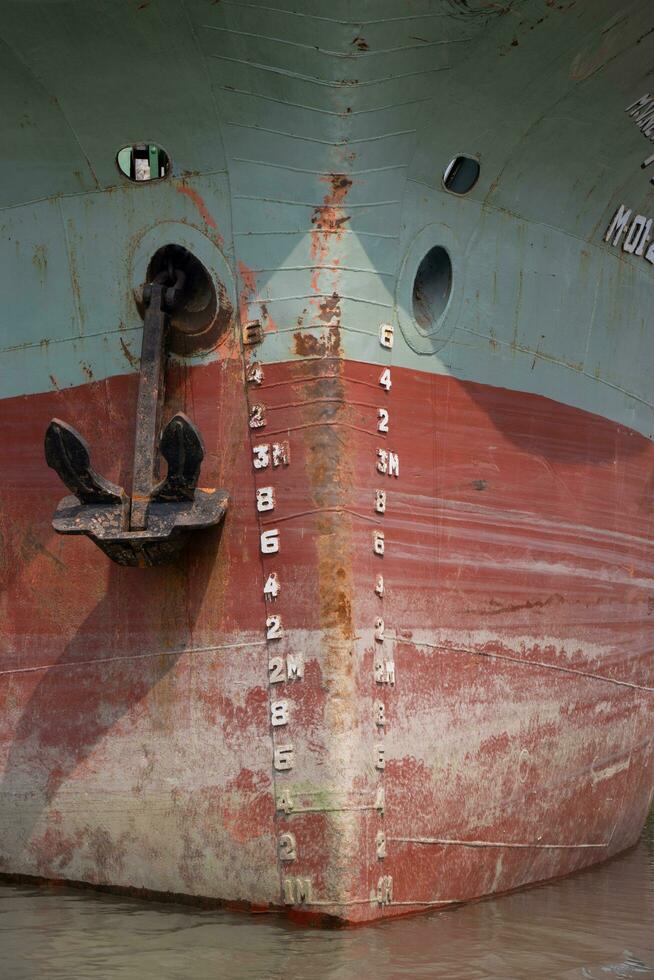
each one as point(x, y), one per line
point(152, 526)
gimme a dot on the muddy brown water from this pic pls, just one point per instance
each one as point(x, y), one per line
point(598, 925)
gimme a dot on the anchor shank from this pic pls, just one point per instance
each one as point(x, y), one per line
point(150, 398)
point(152, 526)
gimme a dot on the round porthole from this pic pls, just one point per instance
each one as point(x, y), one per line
point(432, 286)
point(461, 174)
point(143, 161)
point(429, 288)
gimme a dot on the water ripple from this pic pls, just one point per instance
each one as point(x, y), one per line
point(596, 925)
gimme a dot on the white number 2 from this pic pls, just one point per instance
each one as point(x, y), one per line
point(257, 416)
point(291, 669)
point(382, 415)
point(274, 629)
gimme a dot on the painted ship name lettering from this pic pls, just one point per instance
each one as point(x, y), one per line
point(631, 232)
point(642, 113)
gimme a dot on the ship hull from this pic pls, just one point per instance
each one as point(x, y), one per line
point(413, 664)
point(513, 666)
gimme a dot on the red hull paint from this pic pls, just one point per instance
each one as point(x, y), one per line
point(135, 741)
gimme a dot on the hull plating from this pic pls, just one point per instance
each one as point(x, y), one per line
point(486, 721)
point(138, 749)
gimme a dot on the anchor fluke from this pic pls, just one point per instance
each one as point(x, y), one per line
point(68, 454)
point(182, 448)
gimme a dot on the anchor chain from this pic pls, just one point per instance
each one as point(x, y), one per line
point(175, 279)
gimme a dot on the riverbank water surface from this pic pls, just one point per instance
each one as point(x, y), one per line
point(597, 925)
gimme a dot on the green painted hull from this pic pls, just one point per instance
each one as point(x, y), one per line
point(257, 107)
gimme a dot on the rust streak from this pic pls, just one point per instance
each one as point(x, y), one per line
point(132, 360)
point(200, 204)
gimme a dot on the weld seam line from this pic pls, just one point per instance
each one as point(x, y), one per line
point(534, 663)
point(480, 843)
point(138, 656)
point(321, 401)
point(313, 425)
point(321, 510)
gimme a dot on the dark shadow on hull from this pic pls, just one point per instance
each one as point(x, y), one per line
point(119, 654)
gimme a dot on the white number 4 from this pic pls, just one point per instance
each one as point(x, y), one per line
point(272, 588)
